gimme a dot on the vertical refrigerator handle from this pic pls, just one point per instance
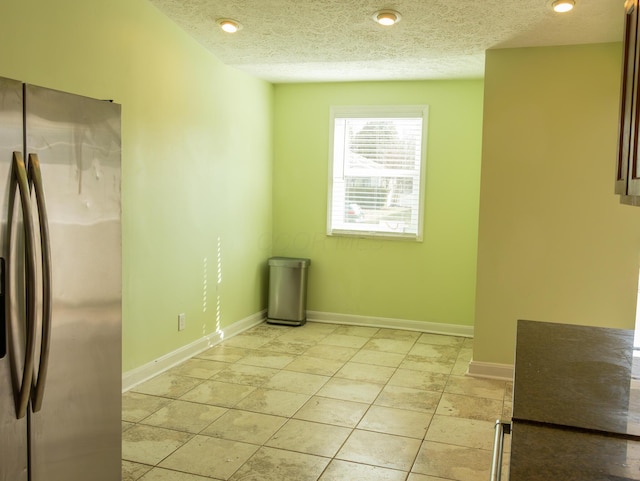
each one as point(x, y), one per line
point(20, 182)
point(35, 180)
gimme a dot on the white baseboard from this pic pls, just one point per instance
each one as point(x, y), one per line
point(389, 323)
point(147, 371)
point(491, 370)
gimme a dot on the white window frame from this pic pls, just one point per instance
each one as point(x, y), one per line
point(340, 227)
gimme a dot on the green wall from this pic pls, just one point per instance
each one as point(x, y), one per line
point(429, 281)
point(196, 159)
point(554, 243)
point(205, 202)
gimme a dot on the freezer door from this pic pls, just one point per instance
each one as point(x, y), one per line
point(13, 431)
point(76, 434)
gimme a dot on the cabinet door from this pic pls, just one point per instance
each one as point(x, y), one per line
point(627, 168)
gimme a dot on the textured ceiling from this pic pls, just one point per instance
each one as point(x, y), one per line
point(337, 40)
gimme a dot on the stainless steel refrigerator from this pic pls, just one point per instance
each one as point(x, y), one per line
point(60, 289)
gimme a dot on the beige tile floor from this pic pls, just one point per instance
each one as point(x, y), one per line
point(320, 402)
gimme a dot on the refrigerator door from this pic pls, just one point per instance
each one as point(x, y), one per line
point(75, 426)
point(13, 431)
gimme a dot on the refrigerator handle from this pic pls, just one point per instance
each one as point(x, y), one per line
point(20, 182)
point(35, 181)
point(3, 312)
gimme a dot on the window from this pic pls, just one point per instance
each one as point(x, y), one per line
point(377, 164)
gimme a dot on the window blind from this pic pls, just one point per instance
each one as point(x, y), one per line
point(377, 175)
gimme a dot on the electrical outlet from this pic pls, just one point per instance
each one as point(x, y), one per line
point(182, 322)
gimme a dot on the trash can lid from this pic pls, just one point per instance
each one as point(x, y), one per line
point(289, 262)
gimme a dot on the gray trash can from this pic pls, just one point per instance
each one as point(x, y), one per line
point(287, 291)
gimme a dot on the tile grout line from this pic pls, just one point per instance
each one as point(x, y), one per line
point(334, 376)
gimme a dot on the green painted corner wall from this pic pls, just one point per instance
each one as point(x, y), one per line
point(554, 244)
point(196, 159)
point(430, 281)
point(222, 170)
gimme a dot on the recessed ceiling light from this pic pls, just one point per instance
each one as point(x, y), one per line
point(387, 17)
point(562, 6)
point(228, 25)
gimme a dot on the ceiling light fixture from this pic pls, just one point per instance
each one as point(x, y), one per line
point(228, 25)
point(562, 6)
point(387, 17)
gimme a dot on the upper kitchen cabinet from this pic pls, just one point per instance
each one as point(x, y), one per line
point(628, 170)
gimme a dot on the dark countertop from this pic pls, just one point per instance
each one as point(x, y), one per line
point(576, 404)
point(576, 376)
point(542, 453)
